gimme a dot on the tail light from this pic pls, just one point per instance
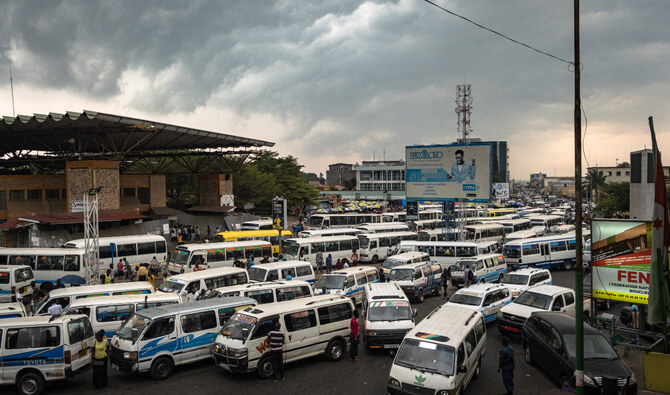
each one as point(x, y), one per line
point(68, 357)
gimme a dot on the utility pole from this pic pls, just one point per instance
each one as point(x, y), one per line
point(579, 270)
point(464, 109)
point(91, 236)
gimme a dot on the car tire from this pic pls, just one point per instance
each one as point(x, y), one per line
point(46, 287)
point(420, 297)
point(375, 259)
point(565, 382)
point(31, 383)
point(528, 355)
point(335, 350)
point(266, 368)
point(567, 264)
point(161, 368)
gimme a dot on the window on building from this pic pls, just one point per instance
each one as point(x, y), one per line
point(128, 192)
point(3, 200)
point(34, 194)
point(143, 195)
point(17, 195)
point(609, 173)
point(618, 173)
point(52, 194)
point(627, 174)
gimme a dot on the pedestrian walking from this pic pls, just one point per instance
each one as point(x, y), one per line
point(276, 341)
point(382, 278)
point(446, 277)
point(506, 365)
point(59, 284)
point(142, 273)
point(329, 263)
point(119, 268)
point(190, 297)
point(338, 264)
point(197, 233)
point(353, 338)
point(99, 361)
point(354, 257)
point(468, 276)
point(319, 261)
point(126, 266)
point(154, 266)
point(108, 276)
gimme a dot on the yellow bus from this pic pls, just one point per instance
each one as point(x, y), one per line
point(499, 212)
point(271, 236)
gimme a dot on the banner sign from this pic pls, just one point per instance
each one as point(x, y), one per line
point(279, 213)
point(501, 190)
point(621, 258)
point(448, 172)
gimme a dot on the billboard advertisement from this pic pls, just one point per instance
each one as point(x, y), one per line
point(448, 172)
point(621, 251)
point(501, 190)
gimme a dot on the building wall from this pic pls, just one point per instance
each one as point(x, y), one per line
point(86, 174)
point(42, 194)
point(212, 186)
point(338, 173)
point(158, 190)
point(642, 184)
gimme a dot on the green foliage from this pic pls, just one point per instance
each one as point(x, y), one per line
point(349, 185)
point(614, 200)
point(623, 164)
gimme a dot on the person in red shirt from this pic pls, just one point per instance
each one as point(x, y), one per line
point(353, 337)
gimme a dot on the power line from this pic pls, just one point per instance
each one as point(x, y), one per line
point(499, 34)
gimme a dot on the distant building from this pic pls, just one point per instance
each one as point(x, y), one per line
point(338, 173)
point(381, 176)
point(613, 174)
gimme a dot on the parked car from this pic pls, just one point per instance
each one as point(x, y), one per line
point(549, 342)
point(522, 279)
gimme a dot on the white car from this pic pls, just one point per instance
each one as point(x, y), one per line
point(520, 280)
point(539, 298)
point(488, 299)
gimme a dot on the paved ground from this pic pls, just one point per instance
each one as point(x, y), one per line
point(317, 376)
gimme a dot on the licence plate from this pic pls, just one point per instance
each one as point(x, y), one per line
point(511, 328)
point(115, 367)
point(391, 345)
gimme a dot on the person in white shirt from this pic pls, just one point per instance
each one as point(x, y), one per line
point(55, 309)
point(199, 294)
point(190, 297)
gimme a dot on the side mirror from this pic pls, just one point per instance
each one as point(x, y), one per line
point(556, 308)
point(134, 334)
point(415, 312)
point(462, 369)
point(245, 333)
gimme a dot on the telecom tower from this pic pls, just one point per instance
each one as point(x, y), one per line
point(463, 110)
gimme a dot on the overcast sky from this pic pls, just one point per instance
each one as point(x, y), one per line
point(340, 81)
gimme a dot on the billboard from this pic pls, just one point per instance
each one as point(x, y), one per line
point(449, 172)
point(621, 251)
point(500, 190)
point(279, 213)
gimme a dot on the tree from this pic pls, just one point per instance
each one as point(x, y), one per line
point(623, 164)
point(322, 179)
point(349, 185)
point(615, 199)
point(595, 180)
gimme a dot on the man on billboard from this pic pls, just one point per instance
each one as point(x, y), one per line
point(461, 171)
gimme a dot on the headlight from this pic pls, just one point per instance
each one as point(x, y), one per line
point(588, 380)
point(240, 353)
point(446, 392)
point(632, 379)
point(394, 382)
point(132, 356)
point(515, 294)
point(217, 347)
point(370, 333)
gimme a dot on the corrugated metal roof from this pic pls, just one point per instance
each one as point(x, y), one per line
point(69, 218)
point(101, 134)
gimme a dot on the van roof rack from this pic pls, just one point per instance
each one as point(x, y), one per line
point(474, 313)
point(387, 297)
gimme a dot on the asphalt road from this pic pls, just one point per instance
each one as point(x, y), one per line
point(316, 375)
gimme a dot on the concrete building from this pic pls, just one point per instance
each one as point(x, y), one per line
point(338, 173)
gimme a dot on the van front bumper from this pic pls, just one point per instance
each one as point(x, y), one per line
point(121, 364)
point(408, 389)
point(409, 291)
point(384, 339)
point(510, 323)
point(230, 363)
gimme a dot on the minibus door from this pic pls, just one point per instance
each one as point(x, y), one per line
point(302, 334)
point(201, 257)
point(76, 342)
point(544, 251)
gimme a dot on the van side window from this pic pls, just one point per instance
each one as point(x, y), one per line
point(480, 330)
point(361, 279)
point(461, 355)
point(198, 321)
point(80, 310)
point(225, 314)
point(113, 313)
point(558, 303)
point(569, 298)
point(534, 279)
point(335, 313)
point(373, 276)
point(79, 330)
point(444, 251)
point(261, 296)
point(489, 263)
point(288, 271)
point(32, 337)
point(471, 342)
point(291, 293)
point(272, 275)
point(264, 328)
point(300, 320)
point(303, 270)
point(417, 274)
point(350, 282)
point(160, 327)
point(71, 263)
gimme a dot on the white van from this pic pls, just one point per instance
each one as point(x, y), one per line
point(418, 279)
point(404, 258)
point(377, 246)
point(488, 299)
point(12, 310)
point(159, 338)
point(441, 355)
point(486, 268)
point(65, 296)
point(349, 282)
point(182, 284)
point(109, 312)
point(13, 279)
point(267, 292)
point(41, 349)
point(388, 315)
point(299, 270)
point(522, 279)
point(312, 326)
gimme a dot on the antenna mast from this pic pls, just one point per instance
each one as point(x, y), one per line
point(11, 83)
point(464, 109)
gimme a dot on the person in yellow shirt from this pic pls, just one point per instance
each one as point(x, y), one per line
point(142, 273)
point(99, 361)
point(152, 280)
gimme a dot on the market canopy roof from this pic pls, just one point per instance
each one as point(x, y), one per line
point(94, 135)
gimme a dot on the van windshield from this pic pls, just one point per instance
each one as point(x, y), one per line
point(179, 257)
point(238, 327)
point(426, 357)
point(512, 252)
point(389, 311)
point(460, 265)
point(331, 281)
point(467, 299)
point(291, 247)
point(390, 263)
point(515, 279)
point(533, 299)
point(257, 273)
point(401, 275)
point(365, 241)
point(137, 321)
point(171, 286)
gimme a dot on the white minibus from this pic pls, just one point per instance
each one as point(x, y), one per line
point(183, 284)
point(535, 231)
point(515, 225)
point(298, 270)
point(486, 268)
point(444, 351)
point(312, 326)
point(383, 228)
point(65, 296)
point(160, 338)
point(446, 253)
point(440, 234)
point(109, 312)
point(404, 258)
point(267, 292)
point(348, 282)
point(338, 247)
point(48, 264)
point(488, 299)
point(549, 222)
point(12, 310)
point(375, 247)
point(37, 350)
point(261, 224)
point(348, 220)
point(388, 315)
point(397, 216)
point(329, 232)
point(14, 279)
point(485, 232)
point(546, 252)
point(418, 279)
point(185, 257)
point(136, 249)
